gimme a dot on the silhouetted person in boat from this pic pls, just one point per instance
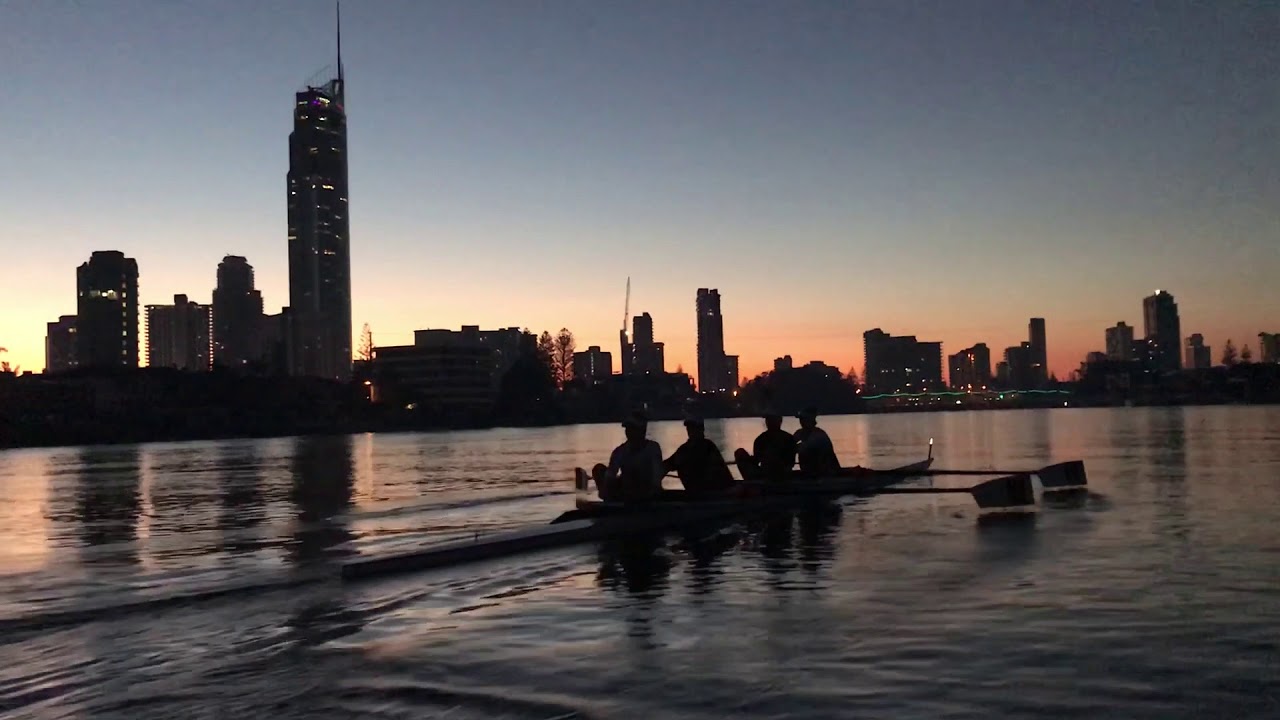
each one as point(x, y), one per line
point(774, 451)
point(813, 447)
point(635, 469)
point(699, 464)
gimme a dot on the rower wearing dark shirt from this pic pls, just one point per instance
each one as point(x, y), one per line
point(774, 451)
point(813, 447)
point(699, 465)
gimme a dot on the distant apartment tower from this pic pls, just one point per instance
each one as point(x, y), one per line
point(1120, 342)
point(900, 364)
point(713, 371)
point(1269, 346)
point(731, 372)
point(592, 365)
point(107, 311)
point(273, 342)
point(971, 368)
point(647, 356)
point(1198, 355)
point(319, 232)
point(60, 345)
point(1163, 330)
point(1020, 373)
point(783, 363)
point(237, 314)
point(1039, 351)
point(505, 345)
point(178, 335)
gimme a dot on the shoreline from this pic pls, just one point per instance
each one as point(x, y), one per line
point(140, 437)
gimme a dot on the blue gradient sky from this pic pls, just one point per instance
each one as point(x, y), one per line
point(945, 169)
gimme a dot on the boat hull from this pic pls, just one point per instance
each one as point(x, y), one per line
point(597, 521)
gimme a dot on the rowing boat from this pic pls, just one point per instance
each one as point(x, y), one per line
point(595, 520)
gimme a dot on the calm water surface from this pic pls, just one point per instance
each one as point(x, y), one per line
point(193, 580)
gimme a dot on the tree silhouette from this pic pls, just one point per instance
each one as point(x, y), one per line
point(546, 347)
point(365, 352)
point(851, 377)
point(1229, 353)
point(562, 357)
point(1246, 355)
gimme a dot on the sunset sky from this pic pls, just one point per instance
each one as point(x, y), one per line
point(943, 169)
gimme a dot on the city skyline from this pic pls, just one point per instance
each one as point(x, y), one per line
point(901, 238)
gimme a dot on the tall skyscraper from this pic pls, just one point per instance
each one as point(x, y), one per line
point(1120, 342)
point(60, 345)
point(1163, 330)
point(178, 335)
point(713, 371)
point(1198, 355)
point(107, 311)
point(237, 314)
point(1039, 351)
point(319, 232)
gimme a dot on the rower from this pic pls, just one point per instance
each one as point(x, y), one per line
point(774, 450)
point(699, 464)
point(635, 470)
point(813, 447)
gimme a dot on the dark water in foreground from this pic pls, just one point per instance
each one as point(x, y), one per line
point(154, 581)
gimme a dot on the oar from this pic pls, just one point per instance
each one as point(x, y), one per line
point(1002, 492)
point(1054, 477)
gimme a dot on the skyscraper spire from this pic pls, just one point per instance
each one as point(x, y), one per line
point(337, 7)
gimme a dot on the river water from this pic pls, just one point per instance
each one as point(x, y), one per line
point(189, 580)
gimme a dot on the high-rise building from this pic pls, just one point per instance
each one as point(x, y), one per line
point(731, 372)
point(1269, 347)
point(1120, 342)
point(60, 345)
point(713, 373)
point(273, 346)
point(319, 232)
point(107, 311)
point(1039, 351)
point(592, 365)
point(1163, 330)
point(900, 364)
point(971, 368)
point(178, 335)
point(647, 356)
point(1017, 360)
point(237, 314)
point(1198, 356)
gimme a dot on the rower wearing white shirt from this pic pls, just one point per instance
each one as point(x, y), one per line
point(635, 467)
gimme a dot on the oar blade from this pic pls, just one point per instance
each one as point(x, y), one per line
point(1009, 491)
point(1063, 475)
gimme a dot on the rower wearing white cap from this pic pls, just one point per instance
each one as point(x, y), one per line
point(699, 464)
